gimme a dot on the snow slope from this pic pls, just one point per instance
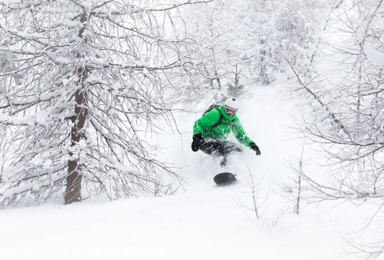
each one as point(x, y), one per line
point(203, 221)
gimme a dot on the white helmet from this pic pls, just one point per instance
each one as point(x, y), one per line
point(232, 103)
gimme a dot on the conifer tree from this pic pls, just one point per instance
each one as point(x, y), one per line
point(237, 89)
point(81, 83)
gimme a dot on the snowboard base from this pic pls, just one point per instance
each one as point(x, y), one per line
point(224, 178)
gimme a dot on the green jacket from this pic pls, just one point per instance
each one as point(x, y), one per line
point(203, 126)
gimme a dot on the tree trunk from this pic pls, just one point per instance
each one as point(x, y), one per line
point(73, 189)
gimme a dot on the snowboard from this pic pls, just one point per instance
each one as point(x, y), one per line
point(224, 178)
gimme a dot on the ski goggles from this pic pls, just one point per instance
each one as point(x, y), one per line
point(230, 110)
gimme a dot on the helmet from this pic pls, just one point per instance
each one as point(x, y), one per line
point(232, 103)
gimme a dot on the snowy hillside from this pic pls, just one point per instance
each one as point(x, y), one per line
point(203, 221)
point(97, 104)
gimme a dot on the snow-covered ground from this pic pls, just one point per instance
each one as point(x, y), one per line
point(201, 221)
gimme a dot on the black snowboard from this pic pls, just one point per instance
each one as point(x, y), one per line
point(224, 178)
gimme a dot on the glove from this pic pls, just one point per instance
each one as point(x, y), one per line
point(254, 147)
point(196, 142)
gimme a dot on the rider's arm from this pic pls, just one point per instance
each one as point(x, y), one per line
point(239, 132)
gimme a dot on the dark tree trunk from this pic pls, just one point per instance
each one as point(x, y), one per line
point(73, 189)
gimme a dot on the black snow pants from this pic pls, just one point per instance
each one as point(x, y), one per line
point(219, 149)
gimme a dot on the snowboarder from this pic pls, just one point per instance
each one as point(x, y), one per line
point(212, 129)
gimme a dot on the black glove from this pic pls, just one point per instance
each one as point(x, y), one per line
point(254, 147)
point(196, 142)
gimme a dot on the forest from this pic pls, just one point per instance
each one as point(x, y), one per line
point(98, 99)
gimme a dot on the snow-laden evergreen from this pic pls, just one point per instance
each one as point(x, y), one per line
point(82, 83)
